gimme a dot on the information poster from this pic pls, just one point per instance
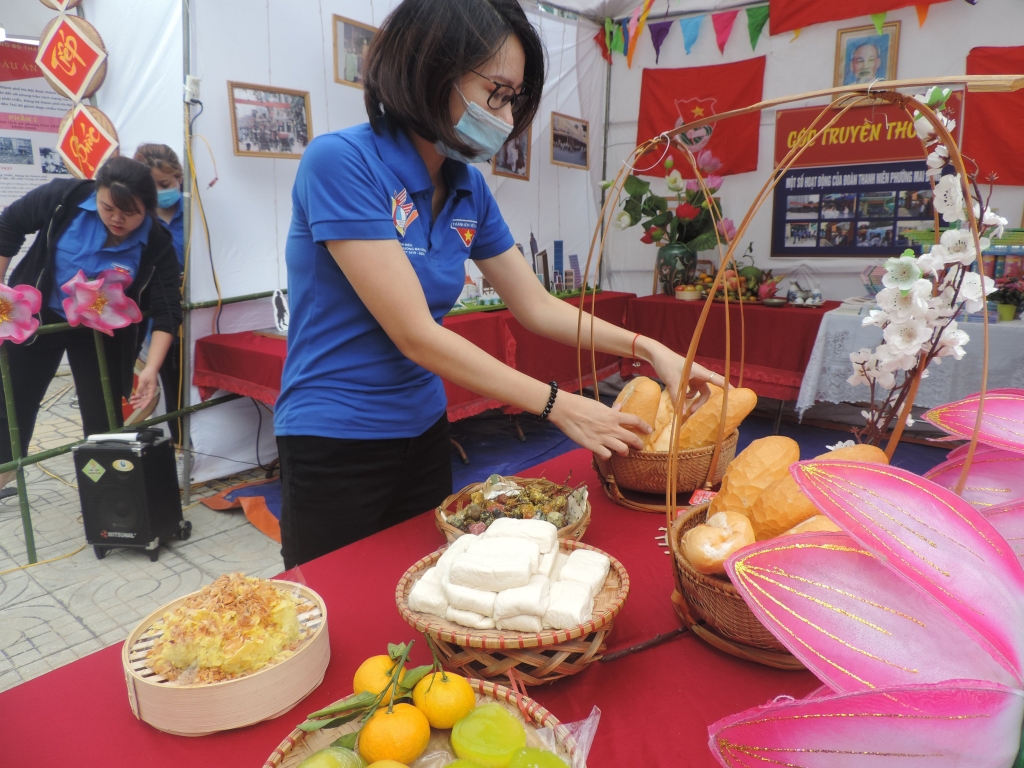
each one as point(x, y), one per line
point(857, 189)
point(30, 115)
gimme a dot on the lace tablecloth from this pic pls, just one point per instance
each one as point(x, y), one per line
point(841, 334)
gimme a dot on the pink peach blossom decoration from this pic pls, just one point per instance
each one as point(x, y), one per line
point(18, 304)
point(100, 304)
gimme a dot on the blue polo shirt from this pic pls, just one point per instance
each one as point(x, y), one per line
point(344, 377)
point(81, 248)
point(176, 226)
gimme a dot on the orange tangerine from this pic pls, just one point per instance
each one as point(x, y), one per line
point(374, 674)
point(400, 735)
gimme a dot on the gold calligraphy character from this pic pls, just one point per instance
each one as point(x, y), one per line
point(82, 148)
point(65, 54)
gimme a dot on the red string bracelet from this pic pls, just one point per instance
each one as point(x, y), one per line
point(636, 363)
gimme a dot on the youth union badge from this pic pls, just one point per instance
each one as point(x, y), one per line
point(466, 229)
point(691, 110)
point(403, 213)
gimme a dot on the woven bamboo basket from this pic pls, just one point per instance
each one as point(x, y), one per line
point(647, 471)
point(458, 501)
point(728, 622)
point(299, 745)
point(534, 658)
point(196, 710)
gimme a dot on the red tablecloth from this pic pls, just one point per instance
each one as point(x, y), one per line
point(779, 339)
point(656, 705)
point(251, 365)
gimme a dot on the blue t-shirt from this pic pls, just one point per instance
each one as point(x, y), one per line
point(81, 248)
point(344, 377)
point(176, 226)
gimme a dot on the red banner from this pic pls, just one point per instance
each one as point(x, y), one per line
point(992, 121)
point(862, 135)
point(787, 15)
point(18, 62)
point(671, 97)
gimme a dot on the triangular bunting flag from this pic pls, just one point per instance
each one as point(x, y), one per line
point(796, 34)
point(624, 26)
point(691, 28)
point(723, 27)
point(878, 19)
point(609, 33)
point(659, 30)
point(756, 19)
point(639, 29)
point(617, 42)
point(600, 39)
point(922, 14)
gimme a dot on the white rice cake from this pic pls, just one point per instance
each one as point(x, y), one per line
point(587, 567)
point(457, 547)
point(543, 533)
point(570, 605)
point(469, 599)
point(506, 546)
point(469, 619)
point(428, 596)
point(531, 600)
point(561, 558)
point(547, 564)
point(491, 574)
point(530, 624)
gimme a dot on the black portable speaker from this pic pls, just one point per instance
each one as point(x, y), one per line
point(128, 486)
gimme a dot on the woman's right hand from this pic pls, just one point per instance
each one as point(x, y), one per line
point(595, 426)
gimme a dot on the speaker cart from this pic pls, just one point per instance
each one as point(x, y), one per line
point(128, 486)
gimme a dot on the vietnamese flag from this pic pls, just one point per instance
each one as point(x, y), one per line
point(992, 121)
point(671, 97)
point(789, 15)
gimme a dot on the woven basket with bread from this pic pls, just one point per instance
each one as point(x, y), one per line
point(758, 500)
point(647, 470)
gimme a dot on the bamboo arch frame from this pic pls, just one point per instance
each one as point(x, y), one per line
point(854, 95)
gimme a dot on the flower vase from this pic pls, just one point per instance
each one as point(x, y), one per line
point(1006, 312)
point(676, 266)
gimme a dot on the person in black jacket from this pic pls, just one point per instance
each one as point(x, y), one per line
point(91, 226)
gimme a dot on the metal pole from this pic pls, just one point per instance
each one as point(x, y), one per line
point(108, 398)
point(604, 158)
point(185, 388)
point(19, 472)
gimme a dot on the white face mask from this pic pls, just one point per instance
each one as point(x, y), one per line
point(481, 130)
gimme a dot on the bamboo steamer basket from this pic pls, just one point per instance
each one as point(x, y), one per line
point(533, 658)
point(647, 471)
point(715, 610)
point(299, 745)
point(460, 500)
point(199, 709)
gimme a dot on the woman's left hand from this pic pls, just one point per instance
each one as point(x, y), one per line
point(669, 367)
point(147, 388)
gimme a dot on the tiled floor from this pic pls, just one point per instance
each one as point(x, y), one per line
point(54, 613)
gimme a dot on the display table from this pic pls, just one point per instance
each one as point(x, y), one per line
point(249, 364)
point(778, 348)
point(656, 705)
point(840, 334)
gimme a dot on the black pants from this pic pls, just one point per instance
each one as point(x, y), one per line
point(170, 375)
point(334, 491)
point(33, 367)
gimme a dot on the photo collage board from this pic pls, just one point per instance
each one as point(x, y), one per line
point(851, 210)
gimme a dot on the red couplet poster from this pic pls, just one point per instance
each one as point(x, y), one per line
point(992, 121)
point(670, 98)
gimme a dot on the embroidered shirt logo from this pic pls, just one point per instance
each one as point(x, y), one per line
point(466, 229)
point(123, 269)
point(403, 213)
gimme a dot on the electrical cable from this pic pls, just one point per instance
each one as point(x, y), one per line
point(259, 427)
point(206, 231)
point(43, 562)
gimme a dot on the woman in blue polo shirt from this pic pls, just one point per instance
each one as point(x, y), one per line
point(384, 216)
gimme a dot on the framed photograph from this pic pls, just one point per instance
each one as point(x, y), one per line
point(863, 55)
point(513, 159)
point(269, 122)
point(351, 39)
point(541, 265)
point(570, 141)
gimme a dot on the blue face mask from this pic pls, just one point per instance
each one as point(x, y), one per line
point(166, 198)
point(479, 129)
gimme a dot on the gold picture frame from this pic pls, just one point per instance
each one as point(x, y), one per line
point(570, 136)
point(505, 164)
point(353, 36)
point(870, 65)
point(278, 124)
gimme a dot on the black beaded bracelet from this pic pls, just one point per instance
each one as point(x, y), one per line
point(551, 400)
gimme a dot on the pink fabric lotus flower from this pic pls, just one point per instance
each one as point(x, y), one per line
point(913, 617)
point(714, 182)
point(1001, 425)
point(727, 229)
point(100, 304)
point(707, 162)
point(687, 212)
point(18, 304)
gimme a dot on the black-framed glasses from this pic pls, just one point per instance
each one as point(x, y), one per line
point(502, 94)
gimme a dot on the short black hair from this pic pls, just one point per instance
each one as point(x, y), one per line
point(127, 181)
point(425, 47)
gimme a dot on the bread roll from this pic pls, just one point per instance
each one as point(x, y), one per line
point(867, 453)
point(640, 397)
point(708, 546)
point(816, 523)
point(779, 507)
point(662, 421)
point(702, 427)
point(762, 463)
